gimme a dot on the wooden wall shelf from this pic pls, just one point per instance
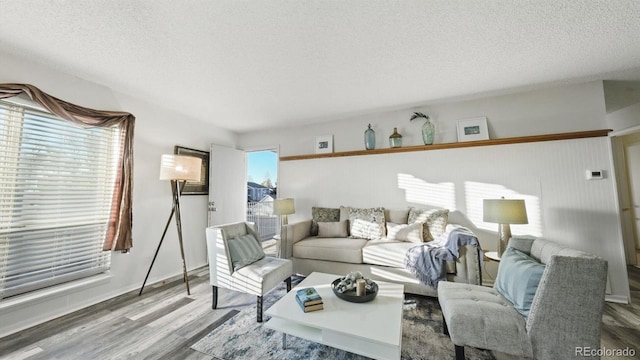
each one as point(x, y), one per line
point(503, 141)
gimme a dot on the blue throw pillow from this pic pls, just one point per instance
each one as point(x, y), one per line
point(244, 250)
point(518, 279)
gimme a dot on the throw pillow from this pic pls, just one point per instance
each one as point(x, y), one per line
point(435, 221)
point(518, 279)
point(319, 214)
point(244, 250)
point(405, 232)
point(335, 229)
point(366, 223)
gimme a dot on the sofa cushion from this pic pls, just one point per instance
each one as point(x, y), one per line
point(396, 216)
point(435, 219)
point(405, 232)
point(335, 229)
point(344, 213)
point(320, 214)
point(261, 276)
point(518, 279)
point(392, 253)
point(386, 253)
point(244, 250)
point(344, 216)
point(366, 223)
point(330, 249)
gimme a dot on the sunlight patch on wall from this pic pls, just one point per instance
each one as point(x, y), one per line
point(476, 192)
point(418, 191)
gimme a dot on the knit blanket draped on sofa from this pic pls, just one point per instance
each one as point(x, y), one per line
point(427, 262)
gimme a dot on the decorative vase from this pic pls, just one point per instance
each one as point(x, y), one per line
point(395, 140)
point(428, 131)
point(369, 138)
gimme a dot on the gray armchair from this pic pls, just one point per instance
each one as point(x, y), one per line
point(257, 278)
point(565, 314)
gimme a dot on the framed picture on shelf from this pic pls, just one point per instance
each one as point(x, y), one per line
point(324, 144)
point(196, 187)
point(473, 129)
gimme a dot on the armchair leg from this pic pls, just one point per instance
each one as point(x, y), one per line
point(214, 297)
point(288, 281)
point(459, 352)
point(259, 306)
point(445, 329)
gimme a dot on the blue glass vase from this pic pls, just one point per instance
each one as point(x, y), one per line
point(369, 138)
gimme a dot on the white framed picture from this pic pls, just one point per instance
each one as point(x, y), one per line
point(324, 144)
point(473, 129)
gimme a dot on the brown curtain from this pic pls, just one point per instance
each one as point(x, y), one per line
point(119, 233)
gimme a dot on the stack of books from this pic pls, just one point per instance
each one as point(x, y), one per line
point(309, 299)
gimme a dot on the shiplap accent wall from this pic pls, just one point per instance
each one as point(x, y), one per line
point(550, 176)
point(563, 206)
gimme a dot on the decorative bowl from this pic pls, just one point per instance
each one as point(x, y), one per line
point(350, 295)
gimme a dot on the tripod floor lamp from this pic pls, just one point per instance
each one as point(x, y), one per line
point(178, 169)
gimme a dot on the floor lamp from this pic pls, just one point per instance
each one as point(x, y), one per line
point(178, 169)
point(504, 212)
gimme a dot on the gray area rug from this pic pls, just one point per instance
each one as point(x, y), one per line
point(241, 337)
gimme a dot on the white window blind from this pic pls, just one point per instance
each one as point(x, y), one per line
point(56, 186)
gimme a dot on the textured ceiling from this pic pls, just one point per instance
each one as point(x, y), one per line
point(248, 65)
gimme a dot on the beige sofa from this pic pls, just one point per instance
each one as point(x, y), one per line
point(378, 259)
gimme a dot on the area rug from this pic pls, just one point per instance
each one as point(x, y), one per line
point(241, 337)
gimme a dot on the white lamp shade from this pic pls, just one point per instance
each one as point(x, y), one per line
point(284, 206)
point(180, 167)
point(505, 211)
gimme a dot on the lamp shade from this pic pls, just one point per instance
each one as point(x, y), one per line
point(284, 206)
point(504, 211)
point(180, 167)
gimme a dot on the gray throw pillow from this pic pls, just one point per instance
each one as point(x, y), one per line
point(319, 214)
point(244, 250)
point(332, 229)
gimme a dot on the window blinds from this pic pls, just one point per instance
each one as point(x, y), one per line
point(56, 184)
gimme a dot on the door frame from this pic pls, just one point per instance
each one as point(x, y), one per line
point(623, 187)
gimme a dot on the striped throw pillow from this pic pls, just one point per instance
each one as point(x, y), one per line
point(244, 250)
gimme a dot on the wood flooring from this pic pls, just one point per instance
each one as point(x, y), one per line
point(164, 322)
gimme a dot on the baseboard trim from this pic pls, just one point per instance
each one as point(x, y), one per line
point(617, 299)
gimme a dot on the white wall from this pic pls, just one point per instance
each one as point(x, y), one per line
point(550, 176)
point(562, 109)
point(625, 118)
point(157, 131)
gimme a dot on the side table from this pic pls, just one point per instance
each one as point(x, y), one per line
point(492, 256)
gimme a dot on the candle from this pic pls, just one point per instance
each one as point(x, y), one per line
point(360, 285)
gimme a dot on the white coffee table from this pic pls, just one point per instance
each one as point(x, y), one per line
point(372, 329)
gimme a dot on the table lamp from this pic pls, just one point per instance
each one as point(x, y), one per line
point(504, 212)
point(178, 169)
point(284, 207)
